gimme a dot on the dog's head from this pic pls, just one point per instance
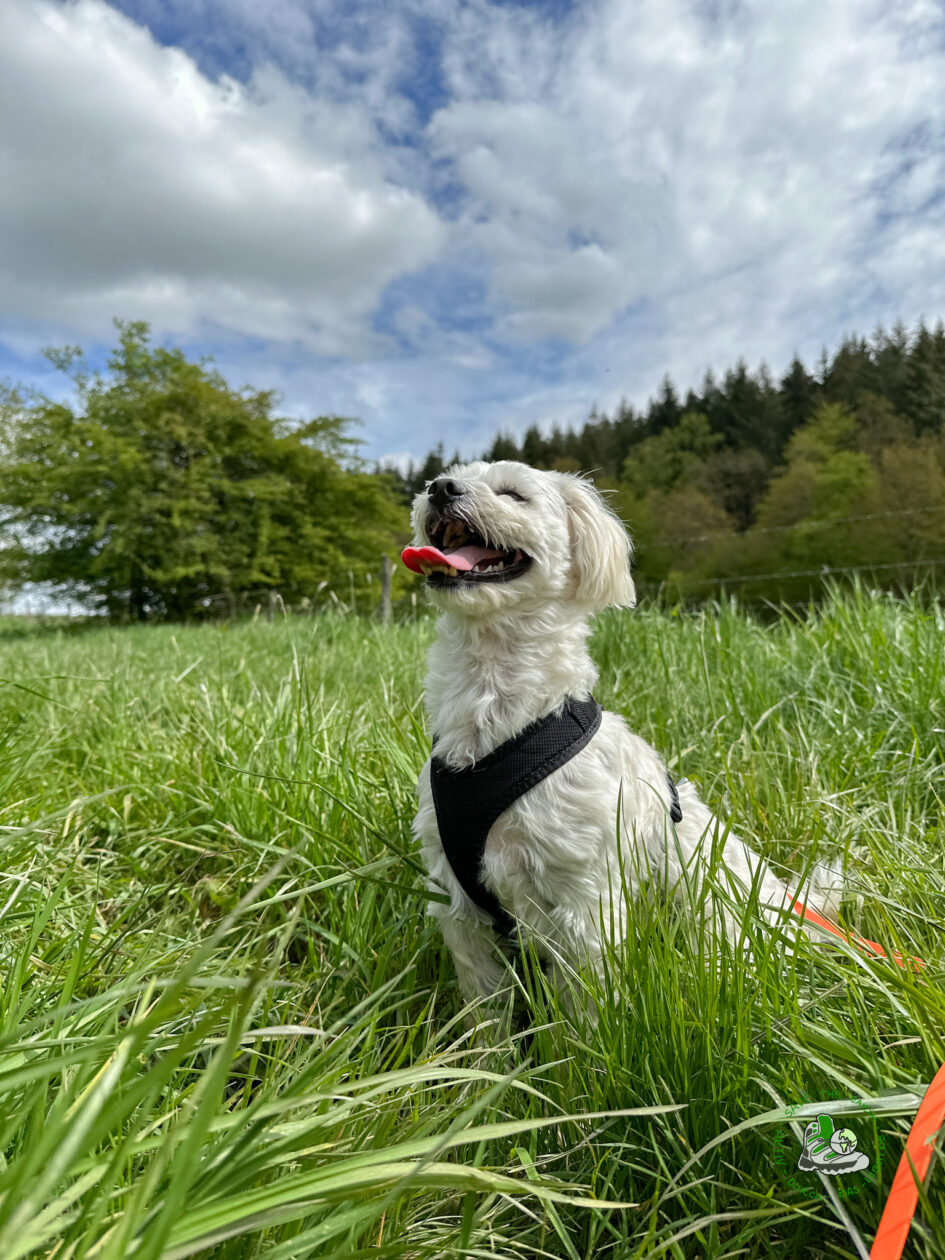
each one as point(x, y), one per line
point(504, 536)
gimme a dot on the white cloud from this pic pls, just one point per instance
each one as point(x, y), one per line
point(571, 234)
point(737, 161)
point(654, 187)
point(132, 184)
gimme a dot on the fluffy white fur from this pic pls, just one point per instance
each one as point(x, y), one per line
point(507, 653)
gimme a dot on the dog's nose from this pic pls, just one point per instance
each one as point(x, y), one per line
point(443, 491)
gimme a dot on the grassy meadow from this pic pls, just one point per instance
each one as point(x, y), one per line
point(228, 1029)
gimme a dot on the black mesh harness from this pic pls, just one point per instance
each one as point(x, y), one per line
point(469, 801)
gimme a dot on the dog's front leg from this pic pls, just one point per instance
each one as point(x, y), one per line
point(471, 942)
point(473, 946)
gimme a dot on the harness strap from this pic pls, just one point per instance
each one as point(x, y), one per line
point(469, 801)
point(675, 809)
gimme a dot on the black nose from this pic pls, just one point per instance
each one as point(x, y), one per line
point(443, 492)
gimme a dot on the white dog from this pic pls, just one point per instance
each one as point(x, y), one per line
point(517, 560)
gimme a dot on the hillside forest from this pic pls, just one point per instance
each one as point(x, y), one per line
point(161, 492)
point(764, 488)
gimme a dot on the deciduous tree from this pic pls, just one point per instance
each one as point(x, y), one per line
point(162, 491)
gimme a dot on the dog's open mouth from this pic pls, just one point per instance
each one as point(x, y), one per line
point(457, 554)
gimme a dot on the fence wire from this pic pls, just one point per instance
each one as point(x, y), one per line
point(824, 571)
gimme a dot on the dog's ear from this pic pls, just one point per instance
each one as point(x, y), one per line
point(600, 548)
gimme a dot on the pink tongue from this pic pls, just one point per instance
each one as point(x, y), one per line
point(465, 558)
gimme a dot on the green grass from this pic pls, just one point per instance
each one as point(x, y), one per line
point(228, 1029)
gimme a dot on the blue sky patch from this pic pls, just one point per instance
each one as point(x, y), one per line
point(457, 218)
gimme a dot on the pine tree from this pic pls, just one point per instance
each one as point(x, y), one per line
point(533, 447)
point(923, 383)
point(627, 431)
point(799, 396)
point(502, 448)
point(851, 372)
point(890, 353)
point(430, 469)
point(738, 414)
point(664, 411)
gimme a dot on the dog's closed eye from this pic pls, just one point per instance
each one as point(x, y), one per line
point(513, 494)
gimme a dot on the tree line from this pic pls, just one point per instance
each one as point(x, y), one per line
point(764, 487)
point(162, 492)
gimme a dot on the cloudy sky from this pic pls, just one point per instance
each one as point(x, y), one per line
point(448, 217)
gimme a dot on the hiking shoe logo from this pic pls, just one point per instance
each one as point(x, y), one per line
point(830, 1150)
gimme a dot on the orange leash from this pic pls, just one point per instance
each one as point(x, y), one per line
point(896, 1220)
point(861, 942)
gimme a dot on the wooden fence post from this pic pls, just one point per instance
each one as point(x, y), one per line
point(386, 571)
